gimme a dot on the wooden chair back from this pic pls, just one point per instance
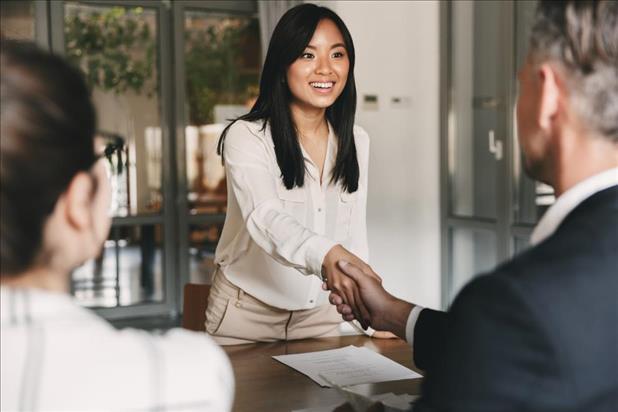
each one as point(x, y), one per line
point(194, 306)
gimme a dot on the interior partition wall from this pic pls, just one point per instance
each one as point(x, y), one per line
point(489, 207)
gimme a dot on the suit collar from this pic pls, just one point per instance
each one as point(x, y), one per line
point(569, 200)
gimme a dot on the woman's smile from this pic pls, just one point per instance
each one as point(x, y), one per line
point(322, 87)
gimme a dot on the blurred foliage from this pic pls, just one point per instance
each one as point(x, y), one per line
point(115, 48)
point(222, 65)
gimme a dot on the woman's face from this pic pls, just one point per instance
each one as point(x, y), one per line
point(318, 76)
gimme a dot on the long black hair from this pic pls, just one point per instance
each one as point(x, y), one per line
point(290, 37)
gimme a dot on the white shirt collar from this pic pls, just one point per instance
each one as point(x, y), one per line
point(569, 200)
point(331, 157)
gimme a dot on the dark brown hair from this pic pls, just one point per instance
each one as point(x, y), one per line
point(47, 129)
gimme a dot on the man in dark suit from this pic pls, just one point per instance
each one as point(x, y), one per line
point(539, 333)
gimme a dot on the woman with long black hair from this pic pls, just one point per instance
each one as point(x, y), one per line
point(296, 170)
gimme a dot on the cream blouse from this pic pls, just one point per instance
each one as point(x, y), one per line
point(274, 239)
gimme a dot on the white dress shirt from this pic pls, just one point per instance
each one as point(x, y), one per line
point(274, 239)
point(56, 355)
point(550, 221)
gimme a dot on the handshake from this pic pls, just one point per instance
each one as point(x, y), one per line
point(357, 292)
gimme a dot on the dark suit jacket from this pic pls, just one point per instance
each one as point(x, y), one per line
point(539, 333)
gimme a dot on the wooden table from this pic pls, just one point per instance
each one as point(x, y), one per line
point(264, 384)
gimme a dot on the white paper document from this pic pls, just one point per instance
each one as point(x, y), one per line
point(347, 366)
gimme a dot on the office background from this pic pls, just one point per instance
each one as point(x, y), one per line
point(436, 86)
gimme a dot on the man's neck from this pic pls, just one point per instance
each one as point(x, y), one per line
point(580, 157)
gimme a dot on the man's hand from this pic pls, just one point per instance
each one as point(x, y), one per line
point(337, 282)
point(385, 311)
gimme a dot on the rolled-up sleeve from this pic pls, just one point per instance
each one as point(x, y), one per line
point(254, 184)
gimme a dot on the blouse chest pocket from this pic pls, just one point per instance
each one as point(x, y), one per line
point(294, 202)
point(345, 210)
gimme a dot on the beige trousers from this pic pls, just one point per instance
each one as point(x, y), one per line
point(234, 317)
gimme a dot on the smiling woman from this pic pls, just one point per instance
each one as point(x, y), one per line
point(318, 77)
point(297, 190)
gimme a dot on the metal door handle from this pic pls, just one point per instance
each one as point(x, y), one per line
point(495, 145)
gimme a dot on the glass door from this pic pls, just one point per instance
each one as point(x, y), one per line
point(474, 142)
point(489, 205)
point(219, 55)
point(165, 78)
point(121, 47)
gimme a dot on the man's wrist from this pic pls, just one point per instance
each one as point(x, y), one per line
point(399, 312)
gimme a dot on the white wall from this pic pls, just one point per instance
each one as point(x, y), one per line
point(397, 49)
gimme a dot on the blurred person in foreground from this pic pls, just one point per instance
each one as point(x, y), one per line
point(56, 355)
point(538, 333)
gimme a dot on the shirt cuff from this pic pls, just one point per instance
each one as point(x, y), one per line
point(317, 249)
point(411, 324)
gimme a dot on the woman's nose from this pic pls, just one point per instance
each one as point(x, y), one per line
point(324, 67)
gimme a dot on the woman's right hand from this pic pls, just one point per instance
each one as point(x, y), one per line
point(337, 282)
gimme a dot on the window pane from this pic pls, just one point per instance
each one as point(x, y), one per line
point(477, 115)
point(17, 19)
point(473, 251)
point(521, 244)
point(202, 244)
point(128, 271)
point(95, 283)
point(117, 49)
point(222, 62)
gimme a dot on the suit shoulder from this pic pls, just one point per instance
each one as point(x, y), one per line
point(481, 285)
point(490, 293)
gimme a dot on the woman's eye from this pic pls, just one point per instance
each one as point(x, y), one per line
point(338, 54)
point(306, 56)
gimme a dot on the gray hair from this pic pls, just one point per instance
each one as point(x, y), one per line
point(582, 36)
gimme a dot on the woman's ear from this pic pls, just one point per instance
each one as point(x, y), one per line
point(78, 201)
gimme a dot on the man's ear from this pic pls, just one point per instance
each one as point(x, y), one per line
point(549, 84)
point(78, 201)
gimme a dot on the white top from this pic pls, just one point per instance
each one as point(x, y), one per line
point(550, 221)
point(58, 356)
point(274, 238)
